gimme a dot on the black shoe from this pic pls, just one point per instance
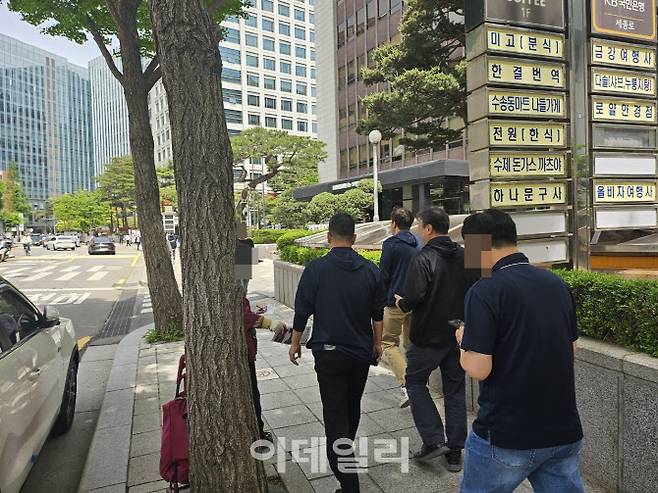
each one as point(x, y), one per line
point(454, 459)
point(428, 452)
point(267, 436)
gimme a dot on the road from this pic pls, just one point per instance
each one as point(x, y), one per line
point(105, 299)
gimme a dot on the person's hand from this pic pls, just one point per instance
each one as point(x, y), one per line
point(459, 334)
point(397, 300)
point(378, 351)
point(260, 310)
point(295, 353)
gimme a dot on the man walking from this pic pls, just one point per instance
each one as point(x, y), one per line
point(434, 290)
point(397, 251)
point(173, 244)
point(518, 340)
point(345, 295)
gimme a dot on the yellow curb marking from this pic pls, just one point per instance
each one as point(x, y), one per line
point(135, 259)
point(82, 342)
point(120, 282)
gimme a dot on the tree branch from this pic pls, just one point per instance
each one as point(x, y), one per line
point(93, 29)
point(263, 178)
point(152, 78)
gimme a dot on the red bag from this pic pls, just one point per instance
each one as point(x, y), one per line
point(174, 449)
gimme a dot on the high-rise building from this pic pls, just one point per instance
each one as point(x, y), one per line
point(45, 121)
point(347, 36)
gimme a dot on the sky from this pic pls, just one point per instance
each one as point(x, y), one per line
point(12, 25)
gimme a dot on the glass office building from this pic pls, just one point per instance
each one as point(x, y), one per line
point(45, 121)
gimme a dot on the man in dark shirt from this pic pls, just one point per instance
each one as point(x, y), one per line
point(434, 290)
point(518, 340)
point(345, 295)
point(397, 251)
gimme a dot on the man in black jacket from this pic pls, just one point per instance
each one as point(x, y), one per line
point(397, 252)
point(434, 290)
point(345, 295)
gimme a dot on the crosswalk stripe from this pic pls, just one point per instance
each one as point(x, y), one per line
point(38, 276)
point(95, 268)
point(147, 310)
point(97, 276)
point(46, 268)
point(72, 268)
point(68, 276)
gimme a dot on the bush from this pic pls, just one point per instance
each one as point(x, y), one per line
point(372, 255)
point(291, 235)
point(267, 236)
point(303, 255)
point(616, 310)
point(171, 335)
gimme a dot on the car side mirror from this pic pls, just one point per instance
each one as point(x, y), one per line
point(51, 316)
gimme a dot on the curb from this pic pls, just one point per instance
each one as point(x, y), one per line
point(106, 467)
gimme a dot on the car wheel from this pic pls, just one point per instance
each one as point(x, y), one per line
point(67, 409)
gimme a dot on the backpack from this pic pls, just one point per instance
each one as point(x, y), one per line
point(174, 448)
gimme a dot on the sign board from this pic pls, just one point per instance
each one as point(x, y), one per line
point(503, 133)
point(504, 102)
point(534, 13)
point(613, 53)
point(546, 251)
point(624, 192)
point(608, 81)
point(606, 136)
point(635, 19)
point(623, 110)
point(516, 72)
point(625, 217)
point(535, 223)
point(516, 164)
point(624, 165)
point(524, 194)
point(516, 41)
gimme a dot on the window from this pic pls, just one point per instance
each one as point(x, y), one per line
point(350, 27)
point(268, 25)
point(269, 63)
point(286, 86)
point(300, 70)
point(383, 7)
point(268, 44)
point(254, 119)
point(314, 127)
point(300, 52)
point(18, 320)
point(253, 99)
point(251, 21)
point(302, 107)
point(300, 33)
point(284, 48)
point(351, 116)
point(270, 103)
point(284, 9)
point(286, 123)
point(360, 63)
point(314, 110)
point(251, 40)
point(341, 34)
point(351, 73)
point(313, 54)
point(232, 35)
point(267, 5)
point(371, 13)
point(300, 15)
point(301, 88)
point(229, 55)
point(314, 73)
point(233, 116)
point(285, 67)
point(233, 96)
point(342, 119)
point(253, 80)
point(396, 5)
point(284, 28)
point(311, 36)
point(252, 60)
point(342, 71)
point(269, 83)
point(360, 21)
point(231, 75)
point(270, 121)
point(302, 125)
point(311, 16)
point(286, 105)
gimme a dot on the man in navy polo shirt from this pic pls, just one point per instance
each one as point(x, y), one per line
point(518, 340)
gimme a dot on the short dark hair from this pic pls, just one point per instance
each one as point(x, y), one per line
point(341, 225)
point(437, 218)
point(403, 218)
point(498, 224)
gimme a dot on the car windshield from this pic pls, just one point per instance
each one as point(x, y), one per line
point(64, 238)
point(103, 239)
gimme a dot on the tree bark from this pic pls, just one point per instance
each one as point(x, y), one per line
point(222, 423)
point(165, 296)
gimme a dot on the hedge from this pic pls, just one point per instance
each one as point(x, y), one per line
point(261, 236)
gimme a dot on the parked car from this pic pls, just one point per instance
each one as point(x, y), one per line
point(36, 239)
point(5, 249)
point(61, 243)
point(101, 244)
point(75, 236)
point(38, 370)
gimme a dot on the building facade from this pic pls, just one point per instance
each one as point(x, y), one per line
point(45, 121)
point(353, 29)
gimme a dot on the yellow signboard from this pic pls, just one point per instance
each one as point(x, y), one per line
point(527, 164)
point(623, 110)
point(526, 73)
point(519, 103)
point(614, 81)
point(526, 134)
point(524, 194)
point(607, 52)
point(615, 191)
point(524, 42)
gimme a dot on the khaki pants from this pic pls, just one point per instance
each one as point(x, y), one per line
point(396, 323)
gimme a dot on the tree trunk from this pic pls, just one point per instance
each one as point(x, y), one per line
point(165, 296)
point(222, 421)
point(124, 218)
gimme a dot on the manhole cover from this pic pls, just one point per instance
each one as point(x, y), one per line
point(266, 374)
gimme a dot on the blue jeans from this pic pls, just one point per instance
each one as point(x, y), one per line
point(492, 469)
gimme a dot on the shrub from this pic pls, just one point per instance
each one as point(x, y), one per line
point(616, 310)
point(170, 335)
point(267, 236)
point(291, 235)
point(372, 255)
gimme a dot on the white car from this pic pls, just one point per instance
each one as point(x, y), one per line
point(61, 243)
point(38, 382)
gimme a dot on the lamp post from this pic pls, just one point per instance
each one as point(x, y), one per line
point(375, 137)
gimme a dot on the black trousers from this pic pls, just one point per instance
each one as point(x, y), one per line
point(256, 394)
point(342, 379)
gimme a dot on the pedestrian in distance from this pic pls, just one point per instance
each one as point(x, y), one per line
point(344, 293)
point(518, 340)
point(26, 241)
point(434, 291)
point(138, 241)
point(173, 244)
point(397, 252)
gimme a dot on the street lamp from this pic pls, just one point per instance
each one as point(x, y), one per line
point(375, 137)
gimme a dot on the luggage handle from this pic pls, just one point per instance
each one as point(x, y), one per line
point(180, 377)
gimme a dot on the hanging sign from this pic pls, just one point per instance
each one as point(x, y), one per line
point(527, 164)
point(614, 81)
point(626, 191)
point(635, 19)
point(527, 134)
point(523, 194)
point(605, 52)
point(623, 110)
point(501, 102)
point(510, 40)
point(533, 13)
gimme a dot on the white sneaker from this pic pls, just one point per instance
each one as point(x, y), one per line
point(405, 397)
